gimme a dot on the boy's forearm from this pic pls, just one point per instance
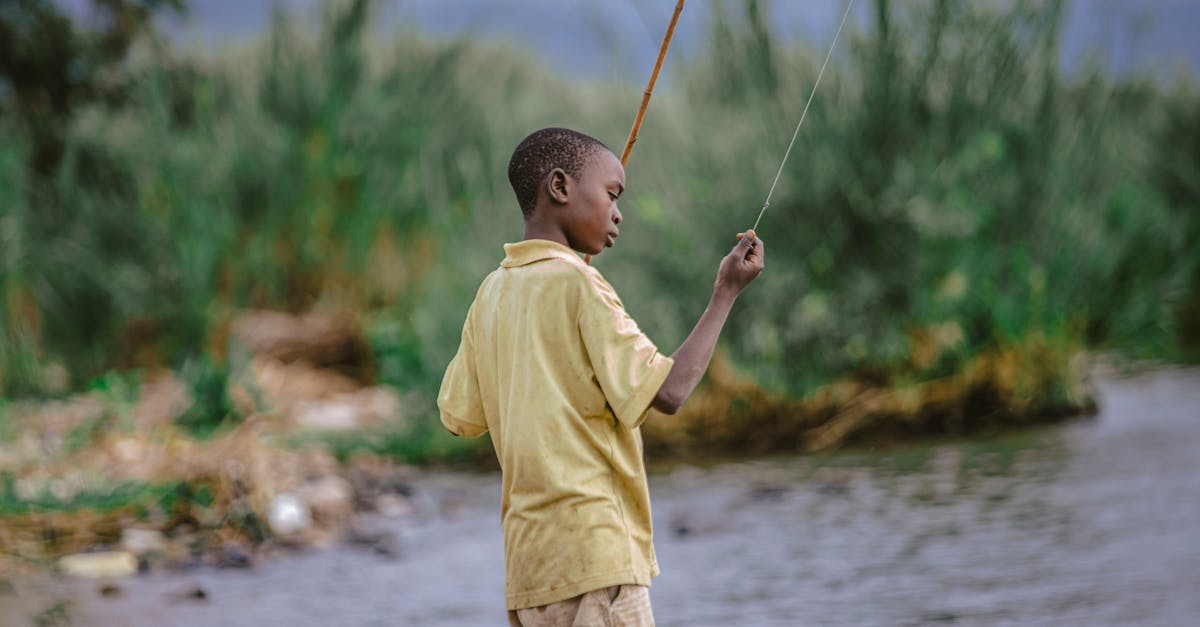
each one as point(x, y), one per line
point(693, 356)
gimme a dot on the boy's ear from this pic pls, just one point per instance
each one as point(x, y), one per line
point(557, 184)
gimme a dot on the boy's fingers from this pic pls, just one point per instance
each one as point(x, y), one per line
point(747, 246)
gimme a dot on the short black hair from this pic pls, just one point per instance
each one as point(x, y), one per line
point(541, 152)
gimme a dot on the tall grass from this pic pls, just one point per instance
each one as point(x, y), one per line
point(950, 186)
point(952, 192)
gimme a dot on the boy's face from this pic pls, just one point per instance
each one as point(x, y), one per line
point(591, 215)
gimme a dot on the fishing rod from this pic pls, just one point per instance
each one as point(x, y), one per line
point(641, 113)
point(788, 152)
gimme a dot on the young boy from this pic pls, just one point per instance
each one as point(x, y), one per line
point(562, 377)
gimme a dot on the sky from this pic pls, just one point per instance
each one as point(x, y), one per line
point(619, 38)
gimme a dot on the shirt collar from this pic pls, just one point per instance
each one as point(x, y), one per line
point(528, 251)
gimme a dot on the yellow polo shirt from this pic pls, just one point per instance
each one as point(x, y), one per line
point(561, 376)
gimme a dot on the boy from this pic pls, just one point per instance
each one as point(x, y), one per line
point(562, 377)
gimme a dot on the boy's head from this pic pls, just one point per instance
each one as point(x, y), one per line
point(569, 182)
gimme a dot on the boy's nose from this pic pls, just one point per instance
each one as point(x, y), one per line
point(616, 216)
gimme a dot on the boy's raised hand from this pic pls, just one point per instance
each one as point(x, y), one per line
point(741, 265)
point(737, 270)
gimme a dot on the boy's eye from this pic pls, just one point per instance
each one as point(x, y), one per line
point(612, 195)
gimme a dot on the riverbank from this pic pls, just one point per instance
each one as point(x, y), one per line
point(127, 478)
point(135, 476)
point(1085, 522)
point(1033, 381)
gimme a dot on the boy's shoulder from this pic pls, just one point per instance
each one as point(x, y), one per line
point(549, 259)
point(552, 264)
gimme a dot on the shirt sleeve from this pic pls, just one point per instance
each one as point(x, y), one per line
point(458, 400)
point(627, 364)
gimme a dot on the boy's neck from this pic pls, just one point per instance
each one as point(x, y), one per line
point(536, 229)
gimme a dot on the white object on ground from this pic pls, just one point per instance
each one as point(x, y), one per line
point(287, 514)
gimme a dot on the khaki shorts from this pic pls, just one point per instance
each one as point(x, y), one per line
point(615, 606)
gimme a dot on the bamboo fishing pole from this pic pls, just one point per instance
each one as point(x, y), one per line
point(641, 114)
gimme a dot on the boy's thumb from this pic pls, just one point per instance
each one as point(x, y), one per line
point(746, 239)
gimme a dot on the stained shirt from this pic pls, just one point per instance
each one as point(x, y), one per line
point(561, 376)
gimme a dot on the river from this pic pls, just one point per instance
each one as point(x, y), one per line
point(1091, 522)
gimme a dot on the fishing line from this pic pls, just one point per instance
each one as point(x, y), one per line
point(767, 202)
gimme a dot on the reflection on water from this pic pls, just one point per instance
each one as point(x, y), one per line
point(1094, 522)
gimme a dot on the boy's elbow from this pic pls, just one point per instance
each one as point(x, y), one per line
point(666, 403)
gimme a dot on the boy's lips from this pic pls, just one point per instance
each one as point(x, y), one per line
point(611, 239)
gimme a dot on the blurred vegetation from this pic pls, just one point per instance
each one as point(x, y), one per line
point(424, 443)
point(166, 496)
point(952, 193)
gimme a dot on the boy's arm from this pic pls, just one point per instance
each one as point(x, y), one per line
point(737, 270)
